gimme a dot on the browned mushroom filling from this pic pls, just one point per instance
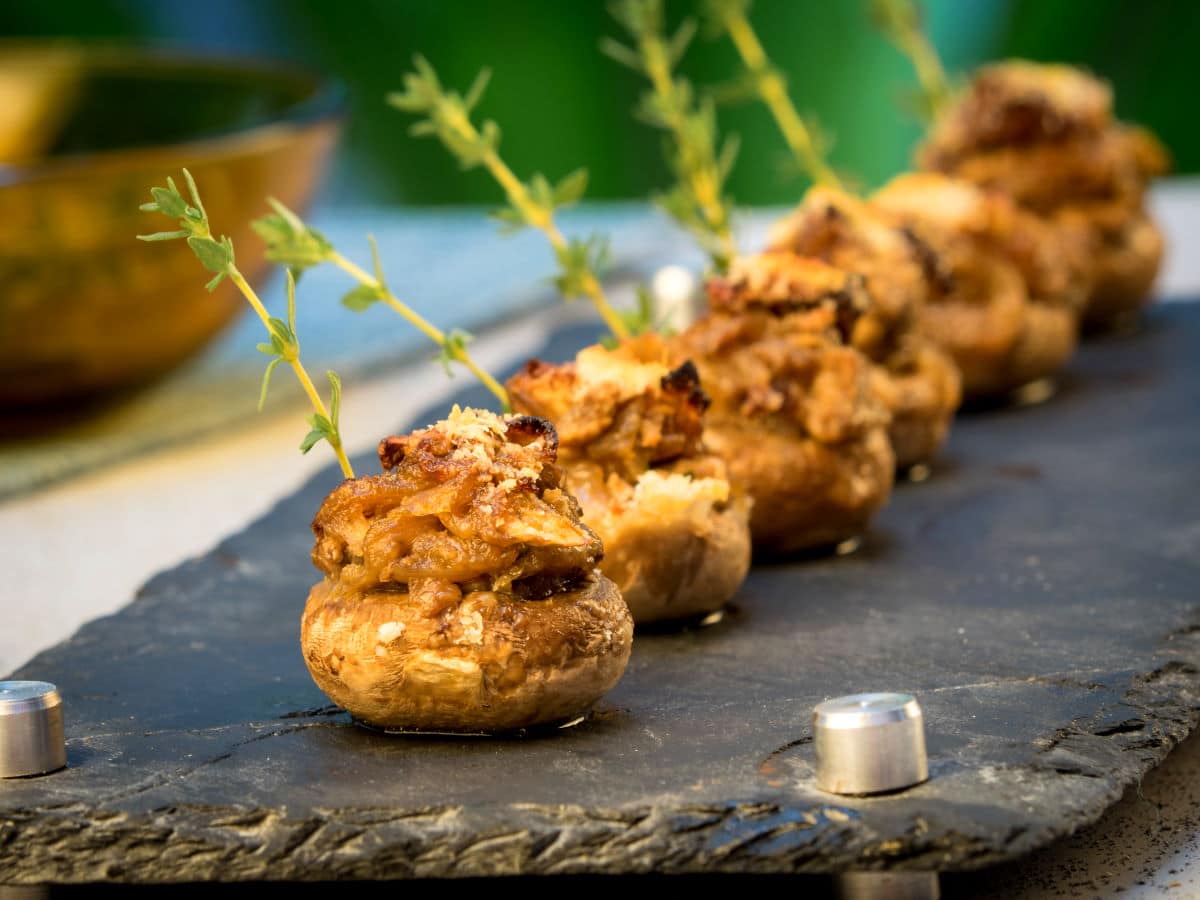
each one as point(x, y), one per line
point(473, 503)
point(773, 347)
point(1019, 104)
point(896, 267)
point(624, 411)
point(1045, 134)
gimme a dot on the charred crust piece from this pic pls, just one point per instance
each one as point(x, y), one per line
point(544, 585)
point(1019, 104)
point(536, 367)
point(524, 430)
point(1001, 119)
point(851, 306)
point(685, 380)
point(391, 452)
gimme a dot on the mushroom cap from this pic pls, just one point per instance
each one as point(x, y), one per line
point(998, 338)
point(486, 662)
point(808, 495)
point(896, 272)
point(676, 545)
point(922, 389)
point(1046, 136)
point(1010, 283)
point(1125, 269)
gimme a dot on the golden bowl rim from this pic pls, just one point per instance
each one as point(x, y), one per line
point(322, 105)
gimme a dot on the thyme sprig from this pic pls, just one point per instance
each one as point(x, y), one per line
point(217, 255)
point(294, 243)
point(901, 23)
point(641, 318)
point(697, 201)
point(446, 115)
point(766, 82)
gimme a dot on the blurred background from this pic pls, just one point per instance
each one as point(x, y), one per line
point(130, 434)
point(562, 104)
point(110, 347)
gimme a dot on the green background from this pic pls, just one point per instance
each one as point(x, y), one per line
point(561, 104)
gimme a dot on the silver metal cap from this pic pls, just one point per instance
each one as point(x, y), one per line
point(31, 729)
point(869, 743)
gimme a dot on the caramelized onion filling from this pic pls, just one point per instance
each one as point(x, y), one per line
point(626, 410)
point(472, 503)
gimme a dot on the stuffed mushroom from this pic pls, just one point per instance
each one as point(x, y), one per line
point(1045, 134)
point(460, 589)
point(676, 535)
point(918, 380)
point(1006, 287)
point(796, 412)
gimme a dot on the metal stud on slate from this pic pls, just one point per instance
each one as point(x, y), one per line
point(869, 743)
point(31, 729)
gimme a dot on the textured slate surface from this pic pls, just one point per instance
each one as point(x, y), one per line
point(1040, 595)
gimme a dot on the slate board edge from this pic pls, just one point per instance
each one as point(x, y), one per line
point(81, 843)
point(73, 843)
point(54, 842)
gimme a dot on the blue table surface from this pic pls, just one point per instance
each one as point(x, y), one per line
point(451, 265)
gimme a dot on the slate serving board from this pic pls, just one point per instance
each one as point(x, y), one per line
point(1040, 595)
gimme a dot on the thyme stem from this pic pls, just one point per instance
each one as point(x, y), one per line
point(699, 166)
point(900, 21)
point(542, 219)
point(448, 117)
point(218, 257)
point(293, 360)
point(773, 91)
point(697, 200)
point(426, 327)
point(293, 243)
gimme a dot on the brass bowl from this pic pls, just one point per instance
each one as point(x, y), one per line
point(84, 133)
